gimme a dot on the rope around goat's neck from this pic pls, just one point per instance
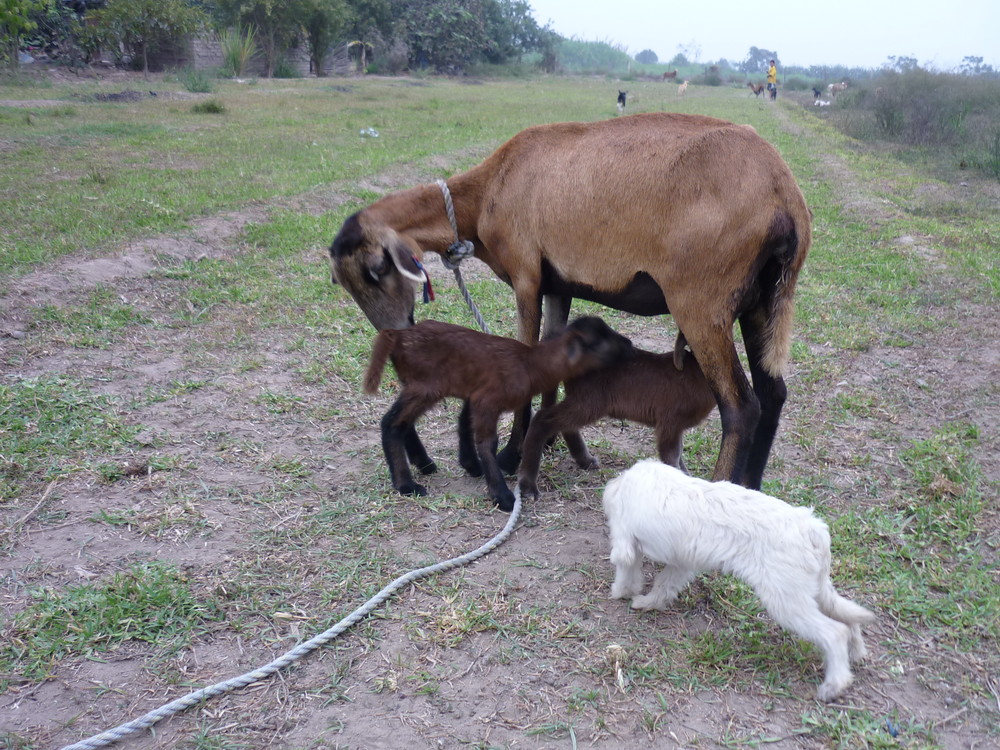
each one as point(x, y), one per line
point(458, 251)
point(191, 699)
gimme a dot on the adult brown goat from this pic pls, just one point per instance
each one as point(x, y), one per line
point(651, 214)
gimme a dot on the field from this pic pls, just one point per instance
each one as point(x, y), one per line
point(191, 481)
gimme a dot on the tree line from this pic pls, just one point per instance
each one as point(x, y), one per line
point(440, 35)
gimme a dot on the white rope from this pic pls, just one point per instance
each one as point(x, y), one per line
point(198, 696)
point(458, 251)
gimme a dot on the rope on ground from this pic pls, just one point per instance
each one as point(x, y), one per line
point(198, 696)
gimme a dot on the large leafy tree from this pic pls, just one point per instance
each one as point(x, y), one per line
point(277, 22)
point(324, 23)
point(15, 20)
point(446, 35)
point(142, 26)
point(511, 30)
point(757, 60)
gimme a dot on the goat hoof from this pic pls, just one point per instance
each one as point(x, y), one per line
point(505, 501)
point(529, 490)
point(472, 467)
point(588, 463)
point(428, 468)
point(508, 461)
point(412, 488)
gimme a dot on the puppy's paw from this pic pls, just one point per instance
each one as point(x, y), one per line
point(648, 601)
point(623, 591)
point(857, 651)
point(832, 688)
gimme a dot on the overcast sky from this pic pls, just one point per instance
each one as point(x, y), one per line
point(855, 33)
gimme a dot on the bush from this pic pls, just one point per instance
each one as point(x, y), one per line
point(919, 108)
point(209, 107)
point(195, 81)
point(284, 69)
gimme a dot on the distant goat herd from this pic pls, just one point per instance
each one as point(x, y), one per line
point(688, 215)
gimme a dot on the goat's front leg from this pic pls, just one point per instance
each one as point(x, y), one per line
point(545, 424)
point(556, 317)
point(529, 321)
point(467, 456)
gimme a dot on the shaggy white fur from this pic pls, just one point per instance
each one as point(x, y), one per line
point(782, 551)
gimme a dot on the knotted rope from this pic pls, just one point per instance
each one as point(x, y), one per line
point(191, 699)
point(458, 251)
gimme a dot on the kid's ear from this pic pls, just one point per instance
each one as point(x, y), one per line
point(574, 348)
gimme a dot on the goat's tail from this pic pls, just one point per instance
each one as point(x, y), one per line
point(380, 353)
point(786, 247)
point(830, 602)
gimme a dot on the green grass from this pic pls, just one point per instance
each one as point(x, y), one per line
point(53, 426)
point(149, 603)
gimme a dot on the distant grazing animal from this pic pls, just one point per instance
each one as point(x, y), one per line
point(646, 388)
point(821, 103)
point(434, 360)
point(621, 100)
point(695, 216)
point(836, 88)
point(693, 526)
point(816, 93)
point(669, 75)
point(682, 88)
point(755, 88)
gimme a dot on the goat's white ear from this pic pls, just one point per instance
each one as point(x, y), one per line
point(405, 261)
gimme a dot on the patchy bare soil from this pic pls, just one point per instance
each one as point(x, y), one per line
point(415, 674)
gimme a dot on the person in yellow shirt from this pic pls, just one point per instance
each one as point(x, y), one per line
point(772, 80)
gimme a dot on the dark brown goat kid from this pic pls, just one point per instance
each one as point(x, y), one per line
point(652, 213)
point(434, 360)
point(646, 388)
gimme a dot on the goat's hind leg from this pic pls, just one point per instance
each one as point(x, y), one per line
point(397, 428)
point(799, 612)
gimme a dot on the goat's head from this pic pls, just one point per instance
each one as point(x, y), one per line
point(592, 343)
point(378, 268)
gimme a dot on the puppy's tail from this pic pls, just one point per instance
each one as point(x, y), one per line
point(624, 549)
point(831, 603)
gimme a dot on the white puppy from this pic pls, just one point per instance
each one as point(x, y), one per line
point(782, 551)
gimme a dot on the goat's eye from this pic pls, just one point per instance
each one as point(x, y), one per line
point(379, 269)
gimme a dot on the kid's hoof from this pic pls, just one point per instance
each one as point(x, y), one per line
point(529, 490)
point(508, 461)
point(412, 489)
point(472, 466)
point(428, 468)
point(505, 501)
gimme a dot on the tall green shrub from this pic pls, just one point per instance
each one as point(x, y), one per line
point(238, 45)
